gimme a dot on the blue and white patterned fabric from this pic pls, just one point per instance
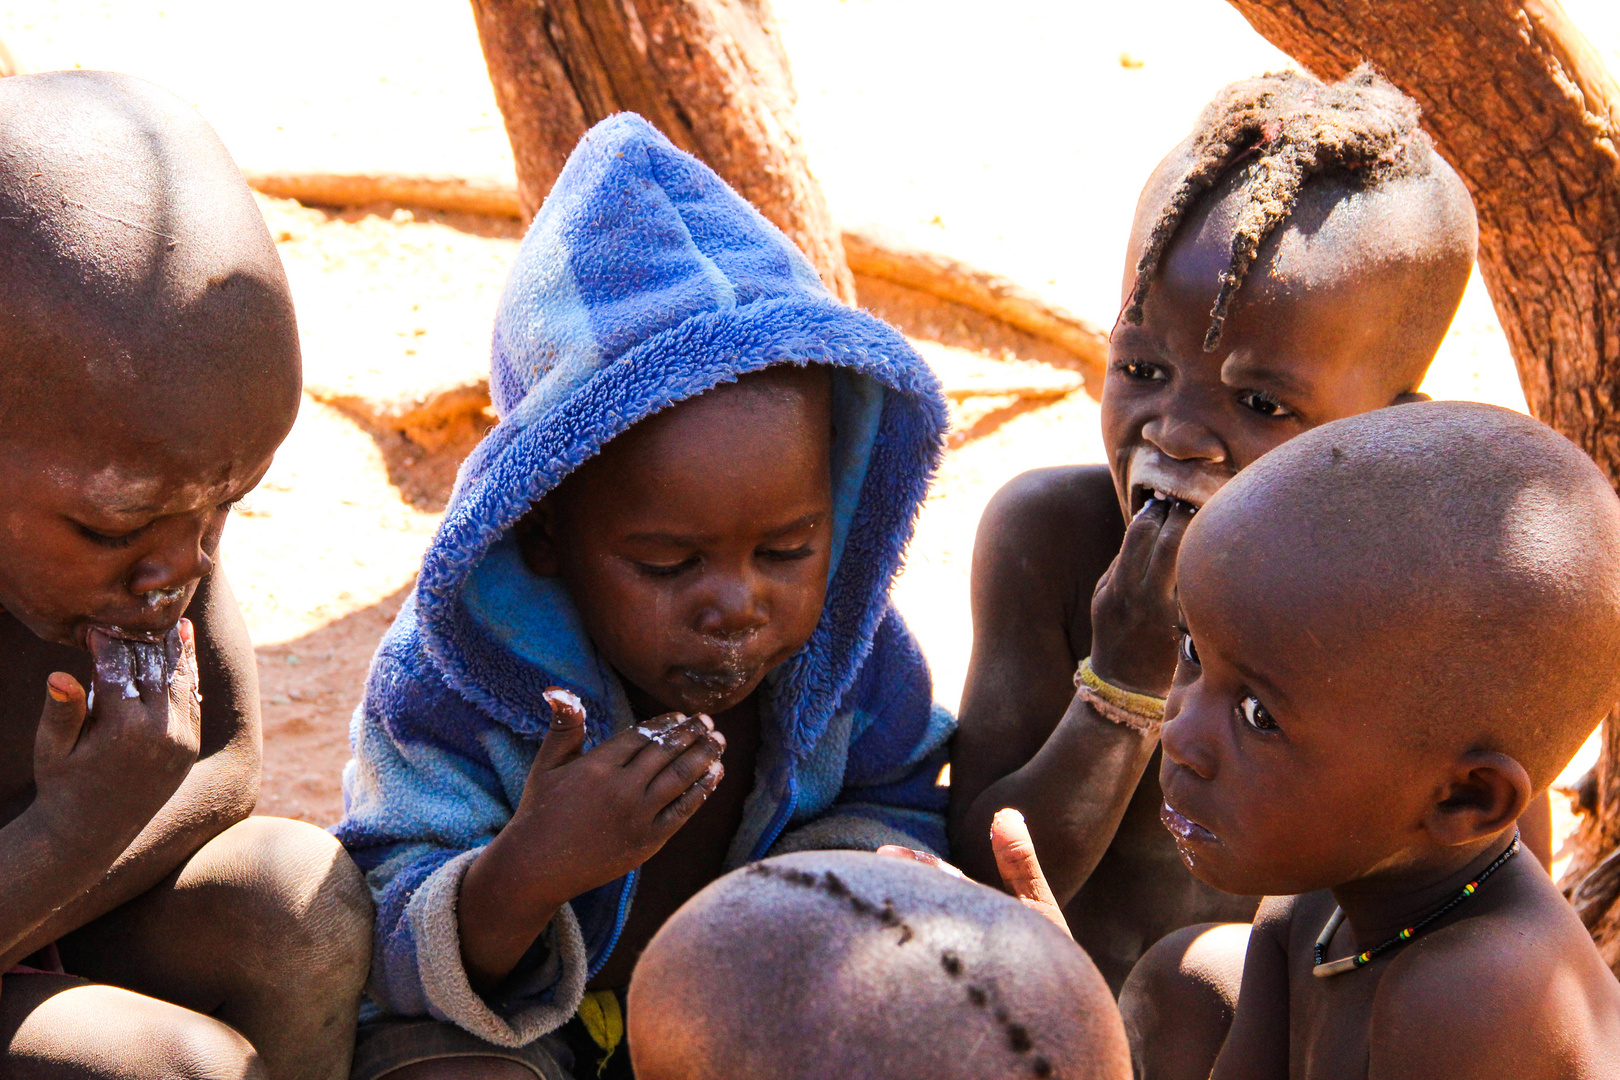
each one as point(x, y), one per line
point(644, 281)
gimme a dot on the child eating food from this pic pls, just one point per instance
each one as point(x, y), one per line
point(850, 965)
point(149, 368)
point(1398, 627)
point(677, 543)
point(1297, 259)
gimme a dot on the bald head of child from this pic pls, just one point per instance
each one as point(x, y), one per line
point(1400, 626)
point(1297, 259)
point(149, 360)
point(850, 964)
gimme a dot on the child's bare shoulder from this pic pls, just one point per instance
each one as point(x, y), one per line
point(1036, 502)
point(1516, 991)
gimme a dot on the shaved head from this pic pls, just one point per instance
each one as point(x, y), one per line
point(138, 279)
point(1464, 557)
point(850, 964)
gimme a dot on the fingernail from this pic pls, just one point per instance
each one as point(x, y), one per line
point(719, 739)
point(57, 693)
point(187, 634)
point(711, 775)
point(1010, 813)
point(708, 722)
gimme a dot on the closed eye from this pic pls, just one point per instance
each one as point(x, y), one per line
point(803, 551)
point(109, 540)
point(665, 570)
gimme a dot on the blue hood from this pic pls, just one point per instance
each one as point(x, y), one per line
point(644, 281)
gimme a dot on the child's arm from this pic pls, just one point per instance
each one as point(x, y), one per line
point(1257, 1046)
point(1076, 788)
point(99, 780)
point(221, 787)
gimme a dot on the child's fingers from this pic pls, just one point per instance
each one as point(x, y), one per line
point(664, 739)
point(896, 851)
point(179, 662)
point(1135, 556)
point(676, 813)
point(62, 718)
point(564, 740)
point(685, 770)
point(1161, 567)
point(1020, 869)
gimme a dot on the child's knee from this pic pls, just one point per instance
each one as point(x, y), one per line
point(1180, 997)
point(201, 1048)
point(295, 884)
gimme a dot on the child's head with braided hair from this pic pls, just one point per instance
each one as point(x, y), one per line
point(1297, 259)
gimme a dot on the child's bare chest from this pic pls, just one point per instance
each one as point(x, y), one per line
point(25, 662)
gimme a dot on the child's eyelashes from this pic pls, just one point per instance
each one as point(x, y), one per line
point(1141, 370)
point(1255, 714)
point(1263, 403)
point(109, 540)
point(803, 551)
point(665, 570)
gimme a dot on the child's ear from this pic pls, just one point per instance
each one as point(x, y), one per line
point(1411, 397)
point(536, 534)
point(1486, 793)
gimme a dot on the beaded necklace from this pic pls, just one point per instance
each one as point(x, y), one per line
point(1323, 968)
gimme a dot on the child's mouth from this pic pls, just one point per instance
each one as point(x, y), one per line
point(1141, 495)
point(1151, 475)
point(1184, 828)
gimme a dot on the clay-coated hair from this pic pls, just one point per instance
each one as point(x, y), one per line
point(1281, 130)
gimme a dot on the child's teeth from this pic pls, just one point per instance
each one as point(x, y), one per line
point(1157, 494)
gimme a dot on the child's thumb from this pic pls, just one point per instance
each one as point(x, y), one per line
point(62, 718)
point(1020, 869)
point(565, 738)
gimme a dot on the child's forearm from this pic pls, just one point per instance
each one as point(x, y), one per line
point(47, 866)
point(502, 908)
point(1073, 793)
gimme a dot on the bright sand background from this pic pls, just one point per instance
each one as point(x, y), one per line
point(1014, 136)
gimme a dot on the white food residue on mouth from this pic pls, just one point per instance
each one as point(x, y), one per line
point(158, 597)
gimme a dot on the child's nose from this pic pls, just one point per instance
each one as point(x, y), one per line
point(1187, 738)
point(1184, 439)
point(177, 563)
point(734, 606)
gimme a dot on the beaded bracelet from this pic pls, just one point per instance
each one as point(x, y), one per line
point(1141, 712)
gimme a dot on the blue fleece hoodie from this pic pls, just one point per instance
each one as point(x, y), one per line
point(644, 281)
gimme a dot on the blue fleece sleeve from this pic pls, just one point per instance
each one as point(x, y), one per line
point(890, 791)
point(432, 782)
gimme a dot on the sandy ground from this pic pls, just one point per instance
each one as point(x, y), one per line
point(1017, 142)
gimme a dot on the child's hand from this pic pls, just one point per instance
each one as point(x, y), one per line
point(586, 819)
point(101, 773)
point(1133, 611)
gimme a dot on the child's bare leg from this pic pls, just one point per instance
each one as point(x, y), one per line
point(53, 1027)
point(1179, 1000)
point(267, 927)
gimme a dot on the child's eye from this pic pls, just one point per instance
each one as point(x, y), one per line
point(1263, 403)
point(1255, 714)
point(119, 540)
point(1141, 370)
point(663, 570)
point(803, 551)
point(1189, 651)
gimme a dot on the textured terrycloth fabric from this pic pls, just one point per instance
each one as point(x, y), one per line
point(644, 281)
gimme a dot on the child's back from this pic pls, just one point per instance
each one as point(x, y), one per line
point(704, 478)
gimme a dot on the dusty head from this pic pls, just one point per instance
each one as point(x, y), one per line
point(1297, 259)
point(1401, 625)
point(149, 359)
point(849, 964)
point(696, 545)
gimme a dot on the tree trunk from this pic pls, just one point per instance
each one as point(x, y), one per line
point(710, 74)
point(1522, 107)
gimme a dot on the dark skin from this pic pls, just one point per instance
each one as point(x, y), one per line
point(696, 548)
point(1059, 575)
point(1292, 715)
point(149, 368)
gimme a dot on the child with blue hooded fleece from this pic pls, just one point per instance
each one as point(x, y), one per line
point(677, 544)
